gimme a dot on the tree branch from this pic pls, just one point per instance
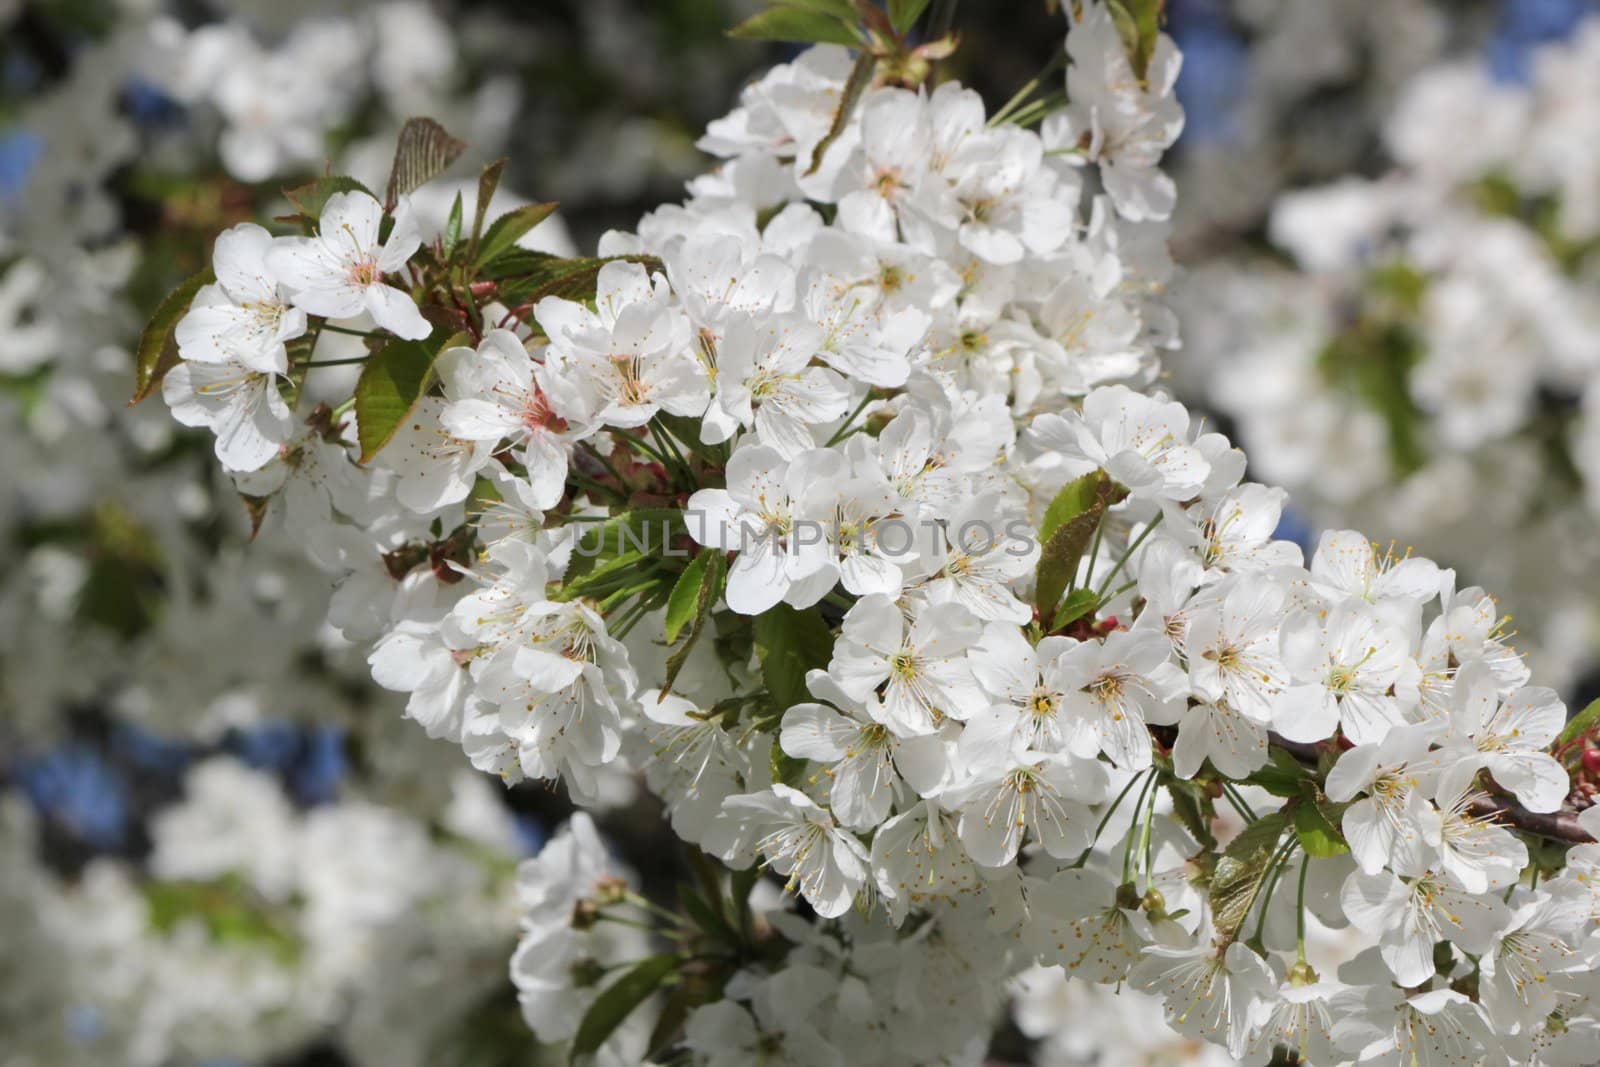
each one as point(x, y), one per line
point(1556, 825)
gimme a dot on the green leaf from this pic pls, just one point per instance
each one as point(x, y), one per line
point(708, 918)
point(905, 13)
point(839, 9)
point(1579, 725)
point(1075, 498)
point(618, 1000)
point(796, 25)
point(1316, 824)
point(158, 351)
point(1242, 871)
point(684, 604)
point(854, 87)
point(674, 1012)
point(311, 198)
point(705, 595)
point(389, 386)
point(789, 643)
point(1138, 24)
point(504, 233)
point(576, 586)
point(1282, 776)
point(452, 227)
point(1071, 519)
point(1193, 809)
point(488, 182)
point(641, 530)
point(1079, 603)
point(424, 151)
point(526, 277)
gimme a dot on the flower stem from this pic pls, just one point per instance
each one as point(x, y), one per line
point(337, 362)
point(844, 428)
point(1127, 555)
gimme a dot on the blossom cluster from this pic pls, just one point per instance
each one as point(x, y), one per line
point(259, 929)
point(886, 310)
point(139, 630)
point(1429, 368)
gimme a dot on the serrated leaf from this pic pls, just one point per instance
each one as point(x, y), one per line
point(452, 227)
point(525, 277)
point(1192, 808)
point(488, 182)
point(1317, 826)
point(1241, 872)
point(504, 233)
point(789, 643)
point(905, 13)
point(1075, 498)
point(424, 150)
point(1067, 528)
point(389, 386)
point(1058, 561)
point(705, 595)
point(617, 1002)
point(854, 88)
point(158, 351)
point(309, 199)
point(684, 603)
point(1282, 775)
point(795, 25)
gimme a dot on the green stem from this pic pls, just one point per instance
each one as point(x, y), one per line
point(1144, 835)
point(648, 905)
point(1106, 818)
point(1127, 853)
point(331, 328)
point(671, 457)
point(1300, 915)
point(1279, 858)
point(641, 445)
point(844, 427)
point(1101, 600)
point(337, 362)
point(1038, 109)
point(594, 486)
point(1056, 63)
point(1127, 555)
point(1094, 554)
point(1237, 801)
point(603, 461)
point(622, 920)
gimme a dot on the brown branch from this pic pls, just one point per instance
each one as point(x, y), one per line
point(1556, 825)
